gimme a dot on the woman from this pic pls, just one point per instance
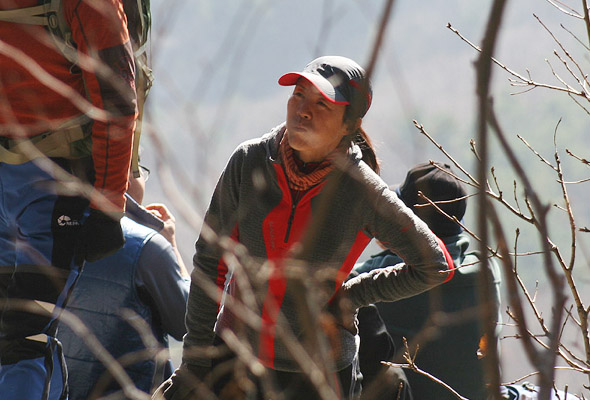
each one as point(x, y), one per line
point(304, 200)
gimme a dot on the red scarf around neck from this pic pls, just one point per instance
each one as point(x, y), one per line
point(297, 179)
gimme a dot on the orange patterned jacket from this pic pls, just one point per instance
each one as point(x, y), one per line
point(40, 88)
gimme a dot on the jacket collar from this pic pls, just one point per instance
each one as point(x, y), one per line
point(272, 141)
point(136, 212)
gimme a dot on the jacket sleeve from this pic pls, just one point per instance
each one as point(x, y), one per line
point(209, 273)
point(159, 273)
point(101, 33)
point(426, 262)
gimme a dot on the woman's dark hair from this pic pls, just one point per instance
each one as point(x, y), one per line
point(362, 140)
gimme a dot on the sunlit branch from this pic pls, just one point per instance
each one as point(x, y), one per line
point(564, 8)
point(584, 83)
point(520, 78)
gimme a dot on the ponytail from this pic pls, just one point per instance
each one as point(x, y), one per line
point(361, 139)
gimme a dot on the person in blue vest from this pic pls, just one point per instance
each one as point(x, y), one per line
point(147, 277)
point(453, 352)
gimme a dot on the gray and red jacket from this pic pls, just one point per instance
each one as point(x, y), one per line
point(333, 222)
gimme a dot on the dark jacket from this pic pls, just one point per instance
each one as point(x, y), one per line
point(451, 353)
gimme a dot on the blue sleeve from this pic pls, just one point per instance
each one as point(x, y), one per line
point(159, 274)
point(381, 260)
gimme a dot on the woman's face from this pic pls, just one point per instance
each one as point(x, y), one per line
point(314, 125)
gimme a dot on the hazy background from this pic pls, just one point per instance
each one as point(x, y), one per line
point(217, 62)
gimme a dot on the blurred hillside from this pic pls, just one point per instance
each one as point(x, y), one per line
point(217, 63)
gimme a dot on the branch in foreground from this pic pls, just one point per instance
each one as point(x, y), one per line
point(414, 368)
point(548, 360)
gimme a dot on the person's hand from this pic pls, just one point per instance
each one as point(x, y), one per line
point(100, 237)
point(186, 383)
point(168, 231)
point(343, 312)
point(162, 212)
point(338, 315)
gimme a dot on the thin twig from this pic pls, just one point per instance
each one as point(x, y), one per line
point(557, 76)
point(579, 104)
point(493, 172)
point(473, 182)
point(474, 149)
point(575, 37)
point(521, 78)
point(543, 159)
point(562, 7)
point(582, 160)
point(525, 291)
point(574, 182)
point(537, 373)
point(427, 375)
point(514, 186)
point(582, 84)
point(440, 147)
point(566, 199)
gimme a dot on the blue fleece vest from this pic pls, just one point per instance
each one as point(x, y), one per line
point(104, 289)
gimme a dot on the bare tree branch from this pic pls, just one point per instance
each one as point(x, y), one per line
point(520, 78)
point(410, 364)
point(557, 281)
point(564, 8)
point(483, 73)
point(575, 37)
point(583, 82)
point(586, 18)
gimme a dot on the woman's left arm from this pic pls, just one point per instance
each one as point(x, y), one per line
point(426, 260)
